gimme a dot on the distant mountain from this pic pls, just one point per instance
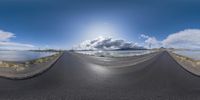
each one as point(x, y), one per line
point(139, 48)
point(102, 43)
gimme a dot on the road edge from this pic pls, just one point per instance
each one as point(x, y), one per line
point(188, 68)
point(24, 77)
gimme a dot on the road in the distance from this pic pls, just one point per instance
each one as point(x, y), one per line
point(71, 78)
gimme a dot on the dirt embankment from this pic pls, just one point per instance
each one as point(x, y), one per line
point(189, 64)
point(21, 70)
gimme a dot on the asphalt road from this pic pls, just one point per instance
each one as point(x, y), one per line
point(73, 78)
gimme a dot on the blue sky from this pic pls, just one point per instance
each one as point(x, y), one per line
point(64, 23)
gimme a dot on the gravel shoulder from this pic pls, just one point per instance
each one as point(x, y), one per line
point(187, 63)
point(25, 71)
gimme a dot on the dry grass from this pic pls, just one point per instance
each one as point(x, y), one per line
point(184, 59)
point(23, 65)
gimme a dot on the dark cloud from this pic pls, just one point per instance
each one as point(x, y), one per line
point(102, 43)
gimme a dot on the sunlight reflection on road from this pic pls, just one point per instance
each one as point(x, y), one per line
point(99, 69)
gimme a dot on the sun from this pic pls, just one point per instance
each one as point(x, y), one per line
point(101, 29)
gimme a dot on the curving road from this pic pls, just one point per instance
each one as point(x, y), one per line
point(73, 78)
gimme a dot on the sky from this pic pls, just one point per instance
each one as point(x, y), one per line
point(63, 24)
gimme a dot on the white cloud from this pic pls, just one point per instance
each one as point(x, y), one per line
point(5, 42)
point(189, 38)
point(16, 44)
point(5, 36)
point(151, 42)
point(144, 36)
point(102, 43)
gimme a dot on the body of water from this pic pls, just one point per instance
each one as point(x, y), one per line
point(21, 56)
point(188, 53)
point(122, 53)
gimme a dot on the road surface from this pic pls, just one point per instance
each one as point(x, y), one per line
point(72, 78)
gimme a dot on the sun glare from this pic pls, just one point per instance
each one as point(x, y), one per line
point(101, 29)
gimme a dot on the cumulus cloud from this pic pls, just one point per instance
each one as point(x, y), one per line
point(151, 42)
point(189, 38)
point(5, 42)
point(102, 43)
